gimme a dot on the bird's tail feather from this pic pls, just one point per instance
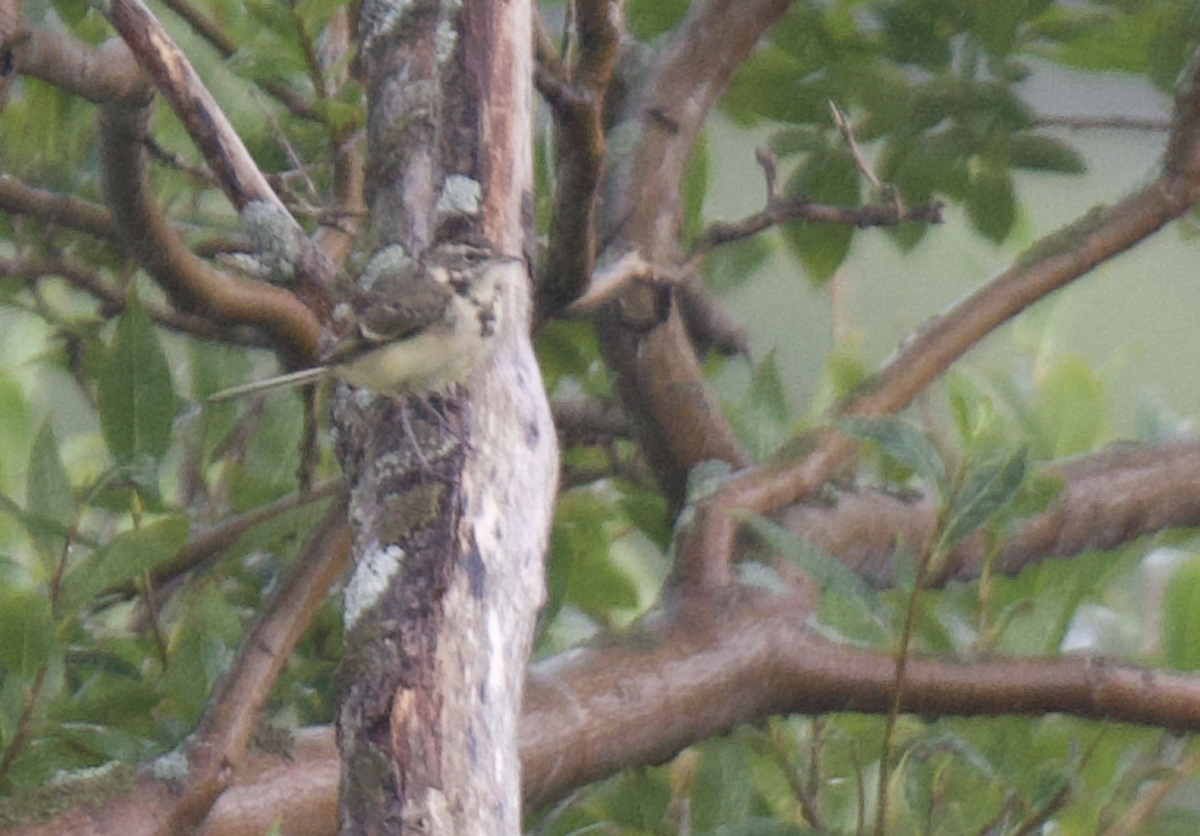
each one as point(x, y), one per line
point(278, 382)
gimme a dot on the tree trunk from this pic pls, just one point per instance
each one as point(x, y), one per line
point(452, 491)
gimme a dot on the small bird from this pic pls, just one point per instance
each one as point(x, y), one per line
point(419, 325)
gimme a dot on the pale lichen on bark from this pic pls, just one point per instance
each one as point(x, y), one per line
point(370, 580)
point(276, 240)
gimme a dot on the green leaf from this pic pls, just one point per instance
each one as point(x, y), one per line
point(650, 18)
point(762, 418)
point(316, 14)
point(1070, 406)
point(694, 188)
point(1066, 23)
point(71, 11)
point(638, 802)
point(723, 789)
point(986, 488)
point(769, 86)
point(903, 442)
point(1036, 495)
point(916, 34)
point(960, 408)
point(830, 573)
point(995, 22)
point(102, 743)
point(731, 265)
point(991, 204)
point(1121, 44)
point(571, 350)
point(14, 440)
point(647, 510)
point(1044, 153)
point(201, 650)
point(982, 427)
point(51, 510)
point(26, 631)
point(581, 571)
point(339, 114)
point(789, 141)
point(270, 59)
point(828, 176)
point(756, 827)
point(136, 394)
point(214, 367)
point(1175, 35)
point(124, 559)
point(1181, 618)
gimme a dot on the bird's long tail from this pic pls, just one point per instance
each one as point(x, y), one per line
point(278, 382)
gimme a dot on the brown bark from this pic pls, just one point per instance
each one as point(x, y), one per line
point(677, 420)
point(1107, 501)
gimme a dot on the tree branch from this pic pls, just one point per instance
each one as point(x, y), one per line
point(711, 664)
point(210, 31)
point(336, 238)
point(781, 209)
point(17, 198)
point(1050, 264)
point(106, 73)
point(112, 301)
point(191, 284)
point(1107, 501)
point(677, 418)
point(218, 747)
point(1085, 123)
point(710, 327)
point(576, 98)
point(205, 547)
point(581, 419)
point(283, 243)
point(175, 78)
point(692, 672)
point(10, 35)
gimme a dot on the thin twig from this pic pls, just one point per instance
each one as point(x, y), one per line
point(545, 53)
point(207, 546)
point(152, 611)
point(220, 742)
point(860, 785)
point(297, 164)
point(782, 209)
point(17, 198)
point(847, 131)
point(225, 46)
point(190, 282)
point(112, 300)
point(177, 162)
point(23, 730)
point(1081, 123)
point(576, 96)
point(1147, 801)
point(928, 557)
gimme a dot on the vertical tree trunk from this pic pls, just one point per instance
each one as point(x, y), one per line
point(449, 538)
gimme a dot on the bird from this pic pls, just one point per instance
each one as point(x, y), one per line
point(420, 325)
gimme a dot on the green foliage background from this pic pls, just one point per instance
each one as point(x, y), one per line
point(109, 465)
